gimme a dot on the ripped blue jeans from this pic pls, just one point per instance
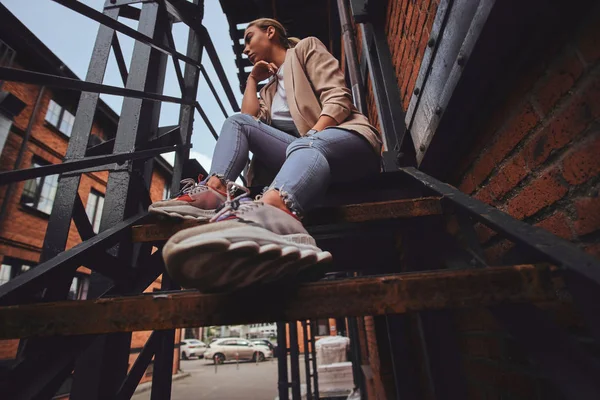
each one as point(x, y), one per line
point(306, 165)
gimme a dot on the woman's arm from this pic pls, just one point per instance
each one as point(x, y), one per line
point(323, 71)
point(250, 104)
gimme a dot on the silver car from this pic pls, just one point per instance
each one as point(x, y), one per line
point(230, 349)
point(192, 348)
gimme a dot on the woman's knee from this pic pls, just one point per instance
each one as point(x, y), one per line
point(240, 119)
point(298, 144)
point(236, 124)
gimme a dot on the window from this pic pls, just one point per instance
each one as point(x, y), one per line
point(13, 267)
point(60, 118)
point(94, 140)
point(322, 327)
point(5, 124)
point(39, 192)
point(94, 207)
point(66, 123)
point(243, 343)
point(53, 113)
point(166, 191)
point(79, 287)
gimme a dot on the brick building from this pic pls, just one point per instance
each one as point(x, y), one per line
point(531, 150)
point(35, 126)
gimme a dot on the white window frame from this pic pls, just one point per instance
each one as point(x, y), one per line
point(63, 122)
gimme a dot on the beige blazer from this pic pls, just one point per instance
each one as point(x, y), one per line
point(314, 86)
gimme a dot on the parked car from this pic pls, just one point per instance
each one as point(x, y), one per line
point(192, 348)
point(222, 350)
point(266, 342)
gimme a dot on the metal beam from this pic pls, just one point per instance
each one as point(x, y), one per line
point(38, 78)
point(354, 213)
point(166, 136)
point(379, 295)
point(307, 374)
point(191, 77)
point(54, 275)
point(214, 91)
point(282, 363)
point(55, 361)
point(214, 58)
point(294, 360)
point(349, 39)
point(552, 248)
point(102, 377)
point(206, 120)
point(16, 290)
point(80, 164)
point(97, 16)
point(118, 52)
point(139, 367)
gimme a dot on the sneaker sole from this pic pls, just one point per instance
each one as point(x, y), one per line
point(240, 257)
point(183, 212)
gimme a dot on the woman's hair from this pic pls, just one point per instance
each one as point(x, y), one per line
point(264, 23)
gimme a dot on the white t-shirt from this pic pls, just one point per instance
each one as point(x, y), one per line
point(279, 107)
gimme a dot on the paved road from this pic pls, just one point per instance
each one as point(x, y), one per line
point(231, 382)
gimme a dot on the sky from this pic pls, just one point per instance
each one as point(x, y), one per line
point(71, 37)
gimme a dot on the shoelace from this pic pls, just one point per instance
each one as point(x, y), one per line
point(241, 202)
point(191, 186)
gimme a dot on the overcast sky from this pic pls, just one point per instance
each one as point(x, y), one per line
point(71, 37)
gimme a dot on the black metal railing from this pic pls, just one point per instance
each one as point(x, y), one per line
point(118, 266)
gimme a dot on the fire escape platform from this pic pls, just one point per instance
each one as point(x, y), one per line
point(377, 295)
point(353, 213)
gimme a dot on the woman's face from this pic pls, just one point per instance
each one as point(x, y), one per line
point(258, 43)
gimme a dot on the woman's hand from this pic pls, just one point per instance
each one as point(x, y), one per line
point(262, 70)
point(323, 122)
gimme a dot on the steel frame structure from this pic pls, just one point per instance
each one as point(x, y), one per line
point(119, 266)
point(124, 267)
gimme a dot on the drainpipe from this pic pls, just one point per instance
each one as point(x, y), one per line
point(349, 40)
point(11, 187)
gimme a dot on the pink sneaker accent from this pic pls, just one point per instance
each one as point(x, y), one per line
point(195, 201)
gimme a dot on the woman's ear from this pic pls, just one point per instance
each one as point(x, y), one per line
point(270, 32)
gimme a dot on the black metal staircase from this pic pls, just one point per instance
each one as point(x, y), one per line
point(435, 270)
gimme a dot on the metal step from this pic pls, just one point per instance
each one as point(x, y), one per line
point(353, 213)
point(379, 295)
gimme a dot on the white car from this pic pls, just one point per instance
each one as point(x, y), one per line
point(192, 348)
point(230, 349)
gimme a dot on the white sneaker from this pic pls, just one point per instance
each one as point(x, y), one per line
point(194, 201)
point(248, 242)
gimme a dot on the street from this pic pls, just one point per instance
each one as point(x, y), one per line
point(231, 382)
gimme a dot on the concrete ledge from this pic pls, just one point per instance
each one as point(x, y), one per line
point(146, 386)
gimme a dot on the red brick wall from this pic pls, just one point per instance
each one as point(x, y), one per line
point(374, 385)
point(538, 157)
point(408, 26)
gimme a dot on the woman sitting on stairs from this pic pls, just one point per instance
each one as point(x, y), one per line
point(305, 126)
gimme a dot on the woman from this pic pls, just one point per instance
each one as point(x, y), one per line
point(304, 126)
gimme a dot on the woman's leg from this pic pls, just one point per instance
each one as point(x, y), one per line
point(241, 134)
point(312, 163)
